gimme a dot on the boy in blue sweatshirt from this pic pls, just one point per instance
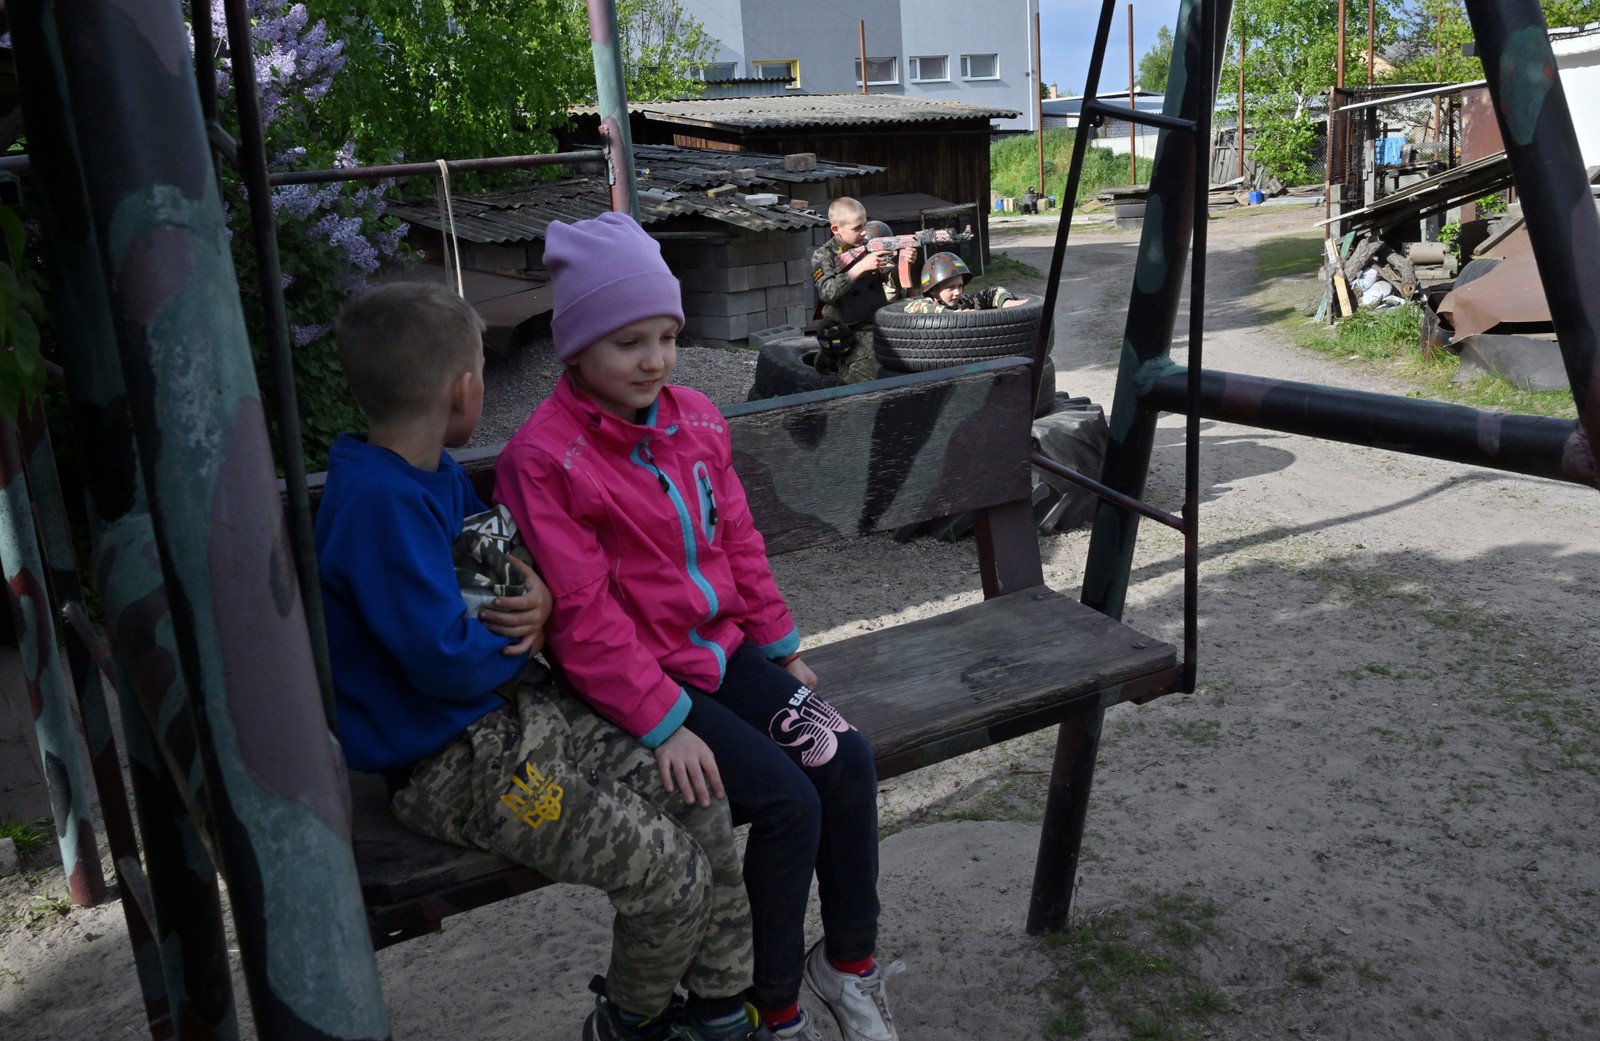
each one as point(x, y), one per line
point(478, 746)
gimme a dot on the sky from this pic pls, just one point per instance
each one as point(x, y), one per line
point(1066, 37)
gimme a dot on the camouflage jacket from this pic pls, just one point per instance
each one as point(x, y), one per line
point(851, 301)
point(982, 300)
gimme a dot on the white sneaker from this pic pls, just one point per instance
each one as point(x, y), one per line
point(800, 1030)
point(859, 1004)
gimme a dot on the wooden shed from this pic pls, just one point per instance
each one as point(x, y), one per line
point(940, 148)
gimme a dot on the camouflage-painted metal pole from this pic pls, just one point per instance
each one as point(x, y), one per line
point(269, 283)
point(611, 87)
point(1540, 446)
point(1152, 308)
point(53, 724)
point(175, 926)
point(1547, 168)
point(273, 779)
point(1170, 211)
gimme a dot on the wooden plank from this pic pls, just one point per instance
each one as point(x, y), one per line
point(874, 456)
point(926, 690)
point(1336, 271)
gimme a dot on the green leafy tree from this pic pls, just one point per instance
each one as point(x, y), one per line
point(1292, 59)
point(1563, 13)
point(1153, 66)
point(661, 46)
point(428, 79)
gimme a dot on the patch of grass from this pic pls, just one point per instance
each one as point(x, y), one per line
point(1196, 732)
point(1134, 970)
point(1288, 255)
point(1014, 165)
point(1003, 269)
point(1392, 337)
point(28, 835)
point(1308, 972)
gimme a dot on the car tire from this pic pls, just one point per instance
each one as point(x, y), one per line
point(787, 366)
point(921, 342)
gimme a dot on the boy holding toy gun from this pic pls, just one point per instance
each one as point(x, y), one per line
point(851, 273)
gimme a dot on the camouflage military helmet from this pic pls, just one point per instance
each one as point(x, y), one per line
point(876, 229)
point(941, 268)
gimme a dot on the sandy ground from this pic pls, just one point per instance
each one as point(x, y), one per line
point(1371, 821)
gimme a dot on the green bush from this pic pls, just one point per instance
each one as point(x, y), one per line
point(1014, 165)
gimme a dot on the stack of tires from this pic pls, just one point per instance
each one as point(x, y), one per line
point(915, 342)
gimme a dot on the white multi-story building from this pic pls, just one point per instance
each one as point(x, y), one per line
point(946, 50)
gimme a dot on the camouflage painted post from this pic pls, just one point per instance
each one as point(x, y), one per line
point(1152, 308)
point(1147, 337)
point(41, 668)
point(183, 969)
point(275, 797)
point(1547, 167)
point(612, 90)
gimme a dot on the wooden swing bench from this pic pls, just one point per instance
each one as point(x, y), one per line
point(851, 461)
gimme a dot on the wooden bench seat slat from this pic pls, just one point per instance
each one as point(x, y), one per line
point(932, 688)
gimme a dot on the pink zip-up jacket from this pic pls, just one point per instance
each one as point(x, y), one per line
point(643, 534)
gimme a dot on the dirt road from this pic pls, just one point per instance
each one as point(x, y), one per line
point(1372, 821)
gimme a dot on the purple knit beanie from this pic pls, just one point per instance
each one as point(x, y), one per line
point(607, 273)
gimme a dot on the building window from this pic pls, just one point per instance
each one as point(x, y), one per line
point(778, 70)
point(714, 71)
point(930, 68)
point(979, 67)
point(880, 71)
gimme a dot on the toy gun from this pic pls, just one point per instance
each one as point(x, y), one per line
point(891, 243)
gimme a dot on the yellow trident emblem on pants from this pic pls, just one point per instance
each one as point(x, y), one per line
point(539, 799)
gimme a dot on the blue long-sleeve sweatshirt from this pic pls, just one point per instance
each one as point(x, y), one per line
point(410, 669)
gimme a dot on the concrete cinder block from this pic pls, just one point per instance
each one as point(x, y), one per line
point(797, 315)
point(719, 327)
point(800, 162)
point(773, 274)
point(764, 250)
point(746, 302)
point(696, 254)
point(721, 190)
point(788, 296)
point(797, 270)
point(714, 280)
point(777, 331)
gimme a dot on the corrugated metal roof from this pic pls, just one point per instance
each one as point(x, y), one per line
point(671, 181)
point(811, 110)
point(671, 166)
point(524, 213)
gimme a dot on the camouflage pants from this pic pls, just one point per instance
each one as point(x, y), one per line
point(549, 784)
point(861, 361)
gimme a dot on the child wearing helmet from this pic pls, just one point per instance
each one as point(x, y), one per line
point(944, 278)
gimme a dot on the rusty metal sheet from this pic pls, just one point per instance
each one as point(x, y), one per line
point(1509, 294)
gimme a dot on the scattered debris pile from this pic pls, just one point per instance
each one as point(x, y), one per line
point(1490, 309)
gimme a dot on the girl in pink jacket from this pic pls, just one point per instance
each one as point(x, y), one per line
point(667, 620)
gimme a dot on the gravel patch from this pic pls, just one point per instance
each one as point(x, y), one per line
point(514, 385)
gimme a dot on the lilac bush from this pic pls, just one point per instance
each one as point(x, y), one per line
point(332, 238)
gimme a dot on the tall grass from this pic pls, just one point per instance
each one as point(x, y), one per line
point(1014, 165)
